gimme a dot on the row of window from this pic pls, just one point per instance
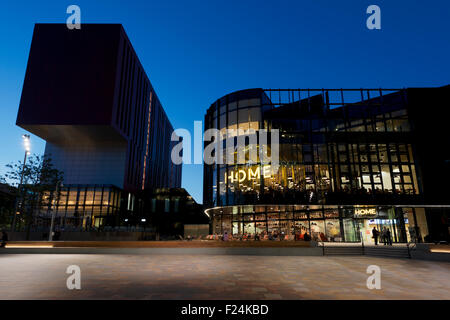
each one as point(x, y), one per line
point(238, 104)
point(87, 202)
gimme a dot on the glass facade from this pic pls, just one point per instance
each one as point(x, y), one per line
point(322, 157)
point(84, 208)
point(108, 208)
point(322, 223)
point(336, 148)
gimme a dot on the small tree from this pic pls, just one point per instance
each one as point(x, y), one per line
point(39, 177)
point(6, 204)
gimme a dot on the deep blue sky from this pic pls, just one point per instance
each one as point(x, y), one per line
point(195, 51)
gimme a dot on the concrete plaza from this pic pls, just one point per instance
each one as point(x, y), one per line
point(126, 276)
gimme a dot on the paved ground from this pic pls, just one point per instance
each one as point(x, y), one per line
point(41, 276)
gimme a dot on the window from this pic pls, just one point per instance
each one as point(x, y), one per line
point(166, 205)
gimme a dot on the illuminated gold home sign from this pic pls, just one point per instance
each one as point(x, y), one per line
point(365, 212)
point(250, 174)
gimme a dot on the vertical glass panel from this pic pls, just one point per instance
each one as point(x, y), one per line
point(273, 226)
point(333, 230)
point(223, 108)
point(166, 205)
point(223, 121)
point(227, 223)
point(351, 232)
point(222, 187)
point(62, 199)
point(243, 116)
point(318, 230)
point(237, 228)
point(300, 228)
point(214, 186)
point(416, 186)
point(379, 126)
point(389, 126)
point(386, 178)
point(261, 228)
point(254, 115)
point(382, 149)
point(232, 118)
point(73, 197)
point(97, 196)
point(108, 197)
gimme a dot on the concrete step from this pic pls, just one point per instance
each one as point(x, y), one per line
point(370, 251)
point(387, 252)
point(343, 251)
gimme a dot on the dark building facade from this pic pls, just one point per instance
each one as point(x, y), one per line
point(349, 160)
point(171, 209)
point(87, 95)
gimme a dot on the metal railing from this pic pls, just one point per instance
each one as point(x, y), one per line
point(319, 242)
point(412, 246)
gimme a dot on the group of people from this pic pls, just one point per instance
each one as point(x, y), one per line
point(273, 235)
point(384, 235)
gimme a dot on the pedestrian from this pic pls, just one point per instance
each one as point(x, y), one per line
point(388, 237)
point(306, 237)
point(225, 236)
point(383, 236)
point(4, 239)
point(375, 234)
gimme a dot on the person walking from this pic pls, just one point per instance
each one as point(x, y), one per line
point(375, 234)
point(388, 237)
point(383, 236)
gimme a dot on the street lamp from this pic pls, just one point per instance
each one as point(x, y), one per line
point(56, 199)
point(26, 144)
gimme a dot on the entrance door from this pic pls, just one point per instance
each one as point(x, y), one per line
point(365, 228)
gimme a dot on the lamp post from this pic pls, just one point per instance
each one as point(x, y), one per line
point(26, 143)
point(50, 234)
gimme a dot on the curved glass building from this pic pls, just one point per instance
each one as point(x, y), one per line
point(349, 161)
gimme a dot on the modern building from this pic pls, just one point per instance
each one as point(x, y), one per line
point(87, 95)
point(174, 209)
point(349, 161)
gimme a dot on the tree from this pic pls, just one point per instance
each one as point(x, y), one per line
point(37, 191)
point(6, 204)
